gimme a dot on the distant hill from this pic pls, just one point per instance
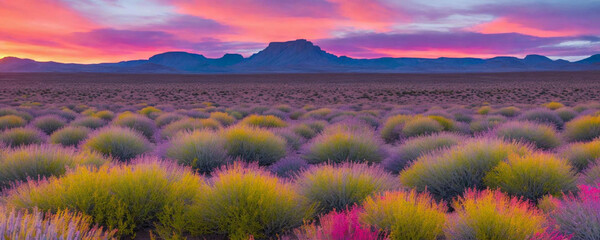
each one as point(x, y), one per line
point(302, 56)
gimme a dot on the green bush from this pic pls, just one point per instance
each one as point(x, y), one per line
point(224, 118)
point(419, 126)
point(339, 187)
point(11, 121)
point(104, 115)
point(15, 137)
point(124, 197)
point(50, 123)
point(269, 121)
point(138, 123)
point(7, 111)
point(304, 131)
point(585, 128)
point(566, 114)
point(591, 175)
point(449, 173)
point(540, 135)
point(89, 122)
point(150, 112)
point(406, 215)
point(189, 124)
point(167, 118)
point(532, 176)
point(202, 150)
point(509, 111)
point(253, 144)
point(341, 143)
point(580, 155)
point(69, 136)
point(246, 201)
point(118, 142)
point(36, 161)
point(392, 127)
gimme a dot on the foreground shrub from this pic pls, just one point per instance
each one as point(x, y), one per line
point(543, 116)
point(580, 155)
point(533, 176)
point(493, 215)
point(332, 187)
point(11, 121)
point(36, 225)
point(224, 118)
point(591, 176)
point(189, 124)
point(89, 122)
point(138, 123)
point(254, 145)
point(341, 143)
point(304, 131)
point(406, 215)
point(579, 216)
point(269, 121)
point(121, 143)
point(540, 135)
point(415, 147)
point(15, 137)
point(69, 136)
point(451, 172)
point(289, 167)
point(585, 128)
point(49, 123)
point(246, 201)
point(338, 225)
point(202, 150)
point(393, 126)
point(293, 140)
point(123, 197)
point(35, 162)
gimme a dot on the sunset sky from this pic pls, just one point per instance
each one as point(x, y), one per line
point(91, 31)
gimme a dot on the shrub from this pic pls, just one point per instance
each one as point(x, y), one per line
point(264, 121)
point(591, 176)
point(123, 197)
point(392, 128)
point(167, 118)
point(341, 143)
point(584, 128)
point(11, 121)
point(509, 111)
point(293, 140)
point(138, 123)
point(21, 136)
point(284, 108)
point(320, 113)
point(189, 124)
point(542, 116)
point(246, 201)
point(332, 187)
point(484, 110)
point(289, 167)
point(580, 155)
point(69, 136)
point(150, 111)
point(89, 122)
point(105, 115)
point(296, 115)
point(566, 114)
point(8, 111)
point(553, 105)
point(304, 131)
point(419, 126)
point(202, 150)
point(224, 118)
point(493, 215)
point(49, 123)
point(253, 144)
point(446, 123)
point(338, 225)
point(486, 123)
point(35, 162)
point(540, 135)
point(415, 147)
point(579, 216)
point(406, 215)
point(451, 172)
point(36, 225)
point(532, 176)
point(121, 143)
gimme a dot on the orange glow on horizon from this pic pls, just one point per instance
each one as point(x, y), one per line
point(503, 25)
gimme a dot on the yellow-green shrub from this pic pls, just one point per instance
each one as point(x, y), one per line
point(484, 110)
point(105, 115)
point(11, 121)
point(69, 136)
point(224, 118)
point(189, 124)
point(202, 150)
point(533, 176)
point(493, 215)
point(584, 128)
point(268, 121)
point(245, 201)
point(341, 143)
point(393, 126)
point(447, 124)
point(254, 144)
point(121, 143)
point(406, 215)
point(509, 111)
point(123, 197)
point(449, 173)
point(580, 155)
point(540, 135)
point(49, 123)
point(15, 137)
point(553, 105)
point(339, 187)
point(89, 122)
point(418, 126)
point(136, 122)
point(150, 111)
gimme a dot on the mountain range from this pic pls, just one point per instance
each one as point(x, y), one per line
point(302, 56)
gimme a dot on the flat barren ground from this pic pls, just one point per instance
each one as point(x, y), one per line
point(300, 89)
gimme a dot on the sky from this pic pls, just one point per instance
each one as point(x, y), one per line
point(92, 31)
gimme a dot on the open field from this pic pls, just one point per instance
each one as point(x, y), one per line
point(307, 156)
